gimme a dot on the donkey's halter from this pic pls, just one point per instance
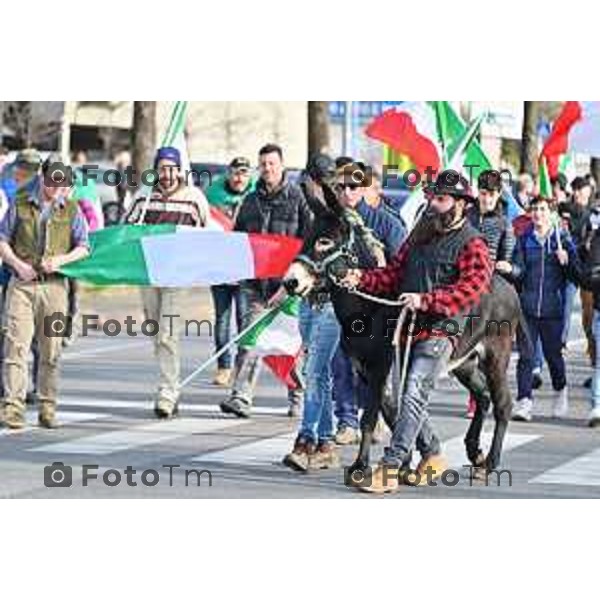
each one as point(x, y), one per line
point(320, 266)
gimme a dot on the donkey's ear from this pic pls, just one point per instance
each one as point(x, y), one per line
point(331, 199)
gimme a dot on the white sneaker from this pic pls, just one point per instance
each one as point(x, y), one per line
point(560, 403)
point(594, 418)
point(522, 410)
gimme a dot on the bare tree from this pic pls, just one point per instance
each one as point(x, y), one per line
point(529, 142)
point(318, 127)
point(144, 137)
point(17, 117)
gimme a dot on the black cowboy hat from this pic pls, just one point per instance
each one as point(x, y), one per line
point(451, 183)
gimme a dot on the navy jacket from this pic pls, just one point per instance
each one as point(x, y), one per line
point(387, 228)
point(540, 279)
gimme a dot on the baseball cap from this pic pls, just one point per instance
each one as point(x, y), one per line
point(28, 158)
point(490, 180)
point(239, 163)
point(321, 167)
point(168, 153)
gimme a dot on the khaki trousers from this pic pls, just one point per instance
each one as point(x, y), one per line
point(159, 302)
point(30, 309)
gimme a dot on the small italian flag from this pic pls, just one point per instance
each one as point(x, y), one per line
point(171, 256)
point(277, 339)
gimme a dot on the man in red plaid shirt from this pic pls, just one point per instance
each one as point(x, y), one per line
point(441, 273)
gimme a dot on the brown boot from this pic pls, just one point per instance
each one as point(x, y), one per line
point(347, 436)
point(383, 480)
point(14, 415)
point(299, 458)
point(222, 377)
point(47, 415)
point(325, 457)
point(436, 463)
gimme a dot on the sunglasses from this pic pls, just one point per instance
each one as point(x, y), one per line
point(351, 186)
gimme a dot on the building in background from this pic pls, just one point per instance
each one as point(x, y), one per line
point(216, 130)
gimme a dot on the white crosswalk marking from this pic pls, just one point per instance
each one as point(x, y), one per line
point(454, 448)
point(271, 450)
point(584, 470)
point(134, 437)
point(64, 418)
point(147, 406)
point(261, 453)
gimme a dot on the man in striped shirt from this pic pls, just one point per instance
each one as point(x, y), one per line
point(440, 273)
point(171, 201)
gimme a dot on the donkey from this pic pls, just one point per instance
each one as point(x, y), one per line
point(479, 361)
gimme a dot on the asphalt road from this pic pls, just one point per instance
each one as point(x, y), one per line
point(106, 408)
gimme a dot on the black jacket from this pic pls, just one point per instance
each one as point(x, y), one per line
point(284, 212)
point(497, 232)
point(577, 216)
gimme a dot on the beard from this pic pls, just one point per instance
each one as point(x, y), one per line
point(433, 225)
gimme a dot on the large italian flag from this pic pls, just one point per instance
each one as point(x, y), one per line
point(410, 130)
point(277, 339)
point(171, 256)
point(577, 129)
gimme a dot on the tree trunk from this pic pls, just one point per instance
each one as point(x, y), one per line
point(318, 127)
point(595, 171)
point(144, 137)
point(529, 146)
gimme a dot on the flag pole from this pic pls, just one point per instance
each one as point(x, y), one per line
point(442, 130)
point(227, 346)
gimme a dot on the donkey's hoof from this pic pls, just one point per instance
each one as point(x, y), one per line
point(479, 460)
point(479, 473)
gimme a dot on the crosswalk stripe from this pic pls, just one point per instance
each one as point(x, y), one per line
point(134, 437)
point(454, 448)
point(261, 453)
point(148, 406)
point(271, 450)
point(584, 470)
point(64, 418)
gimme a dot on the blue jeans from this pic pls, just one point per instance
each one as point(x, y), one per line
point(320, 331)
point(549, 332)
point(223, 298)
point(596, 379)
point(350, 392)
point(413, 427)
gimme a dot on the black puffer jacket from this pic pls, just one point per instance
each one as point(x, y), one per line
point(497, 232)
point(284, 212)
